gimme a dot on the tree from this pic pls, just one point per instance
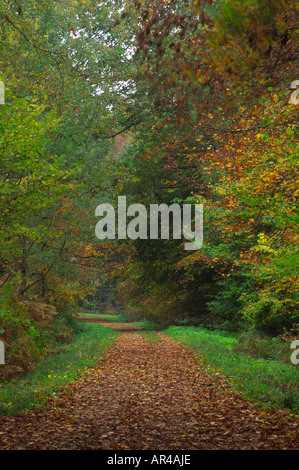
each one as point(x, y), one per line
point(222, 132)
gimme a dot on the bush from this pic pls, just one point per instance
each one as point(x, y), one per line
point(30, 330)
point(226, 303)
point(265, 311)
point(260, 346)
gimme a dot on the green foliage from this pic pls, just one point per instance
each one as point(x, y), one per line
point(222, 133)
point(162, 102)
point(54, 132)
point(30, 330)
point(226, 303)
point(265, 311)
point(254, 344)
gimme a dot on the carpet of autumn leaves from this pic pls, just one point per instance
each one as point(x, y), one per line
point(149, 396)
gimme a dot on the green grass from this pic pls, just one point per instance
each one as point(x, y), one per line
point(99, 316)
point(150, 336)
point(51, 376)
point(147, 325)
point(269, 383)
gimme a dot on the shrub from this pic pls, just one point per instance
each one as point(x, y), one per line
point(265, 311)
point(255, 344)
point(30, 330)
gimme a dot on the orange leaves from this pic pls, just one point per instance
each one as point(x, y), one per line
point(73, 31)
point(149, 392)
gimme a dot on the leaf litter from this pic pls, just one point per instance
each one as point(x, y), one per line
point(149, 396)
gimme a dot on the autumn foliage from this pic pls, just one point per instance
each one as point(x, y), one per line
point(223, 134)
point(162, 101)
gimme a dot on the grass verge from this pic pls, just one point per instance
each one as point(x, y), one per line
point(150, 336)
point(33, 390)
point(104, 317)
point(267, 382)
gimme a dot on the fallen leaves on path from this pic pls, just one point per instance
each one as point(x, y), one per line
point(149, 396)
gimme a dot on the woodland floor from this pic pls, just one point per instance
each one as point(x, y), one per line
point(149, 396)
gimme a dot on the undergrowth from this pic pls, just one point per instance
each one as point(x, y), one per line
point(50, 376)
point(267, 381)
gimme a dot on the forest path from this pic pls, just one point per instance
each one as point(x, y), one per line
point(148, 395)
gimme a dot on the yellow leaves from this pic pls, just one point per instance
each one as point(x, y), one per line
point(264, 244)
point(266, 178)
point(269, 176)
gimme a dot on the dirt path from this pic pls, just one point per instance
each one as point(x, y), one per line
point(151, 396)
